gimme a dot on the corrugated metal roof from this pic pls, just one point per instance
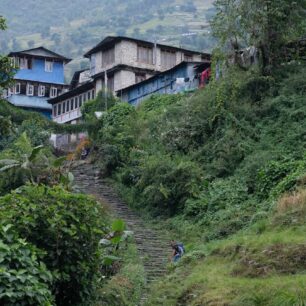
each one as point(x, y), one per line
point(29, 102)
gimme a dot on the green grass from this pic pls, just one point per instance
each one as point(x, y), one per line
point(209, 274)
point(125, 288)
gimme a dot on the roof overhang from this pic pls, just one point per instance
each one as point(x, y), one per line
point(35, 53)
point(110, 41)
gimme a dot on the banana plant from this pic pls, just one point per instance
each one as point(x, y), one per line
point(26, 163)
point(111, 245)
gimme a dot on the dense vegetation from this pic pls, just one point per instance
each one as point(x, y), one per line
point(212, 165)
point(222, 169)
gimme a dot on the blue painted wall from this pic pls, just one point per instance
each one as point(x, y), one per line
point(165, 83)
point(38, 73)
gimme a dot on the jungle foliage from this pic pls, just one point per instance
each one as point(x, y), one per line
point(216, 157)
point(64, 230)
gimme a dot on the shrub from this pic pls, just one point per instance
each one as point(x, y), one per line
point(67, 228)
point(24, 280)
point(166, 183)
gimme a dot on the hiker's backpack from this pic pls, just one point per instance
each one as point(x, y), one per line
point(181, 248)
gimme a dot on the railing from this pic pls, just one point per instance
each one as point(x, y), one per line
point(66, 117)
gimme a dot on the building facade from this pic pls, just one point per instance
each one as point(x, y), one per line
point(115, 64)
point(39, 77)
point(184, 77)
point(119, 62)
point(66, 108)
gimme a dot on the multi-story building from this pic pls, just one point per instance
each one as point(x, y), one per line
point(119, 62)
point(39, 77)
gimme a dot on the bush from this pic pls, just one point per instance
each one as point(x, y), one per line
point(166, 183)
point(67, 228)
point(24, 280)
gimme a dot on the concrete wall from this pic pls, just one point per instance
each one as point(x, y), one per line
point(38, 73)
point(126, 54)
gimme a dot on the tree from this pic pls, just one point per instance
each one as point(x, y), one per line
point(6, 71)
point(2, 24)
point(265, 24)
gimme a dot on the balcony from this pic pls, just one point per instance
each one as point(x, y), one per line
point(67, 117)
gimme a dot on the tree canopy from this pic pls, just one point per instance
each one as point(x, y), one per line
point(265, 24)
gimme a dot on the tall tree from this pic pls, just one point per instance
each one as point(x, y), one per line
point(265, 24)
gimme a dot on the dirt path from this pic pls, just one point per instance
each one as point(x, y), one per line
point(152, 247)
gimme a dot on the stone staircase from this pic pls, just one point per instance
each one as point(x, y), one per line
point(152, 246)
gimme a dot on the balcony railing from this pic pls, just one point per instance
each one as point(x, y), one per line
point(67, 117)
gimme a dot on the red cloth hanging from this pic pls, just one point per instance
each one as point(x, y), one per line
point(205, 76)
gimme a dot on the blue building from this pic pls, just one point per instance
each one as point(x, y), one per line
point(39, 76)
point(181, 78)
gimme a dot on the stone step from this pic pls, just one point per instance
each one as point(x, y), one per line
point(151, 244)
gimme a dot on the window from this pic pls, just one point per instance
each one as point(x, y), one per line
point(88, 95)
point(54, 110)
point(23, 88)
point(108, 57)
point(92, 94)
point(23, 63)
point(80, 100)
point(168, 59)
point(71, 104)
point(145, 55)
point(53, 92)
point(41, 90)
point(75, 102)
point(15, 62)
point(188, 57)
point(30, 90)
point(67, 106)
point(59, 109)
point(139, 77)
point(48, 66)
point(17, 88)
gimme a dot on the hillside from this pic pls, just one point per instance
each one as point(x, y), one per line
point(222, 170)
point(72, 27)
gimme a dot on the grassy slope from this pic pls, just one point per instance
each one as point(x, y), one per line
point(263, 265)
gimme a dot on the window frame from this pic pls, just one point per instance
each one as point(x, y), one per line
point(51, 92)
point(67, 106)
point(23, 63)
point(49, 65)
point(41, 88)
point(17, 92)
point(71, 104)
point(30, 93)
